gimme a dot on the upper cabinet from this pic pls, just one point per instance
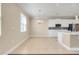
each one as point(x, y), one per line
point(63, 22)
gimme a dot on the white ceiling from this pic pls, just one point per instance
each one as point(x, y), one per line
point(49, 10)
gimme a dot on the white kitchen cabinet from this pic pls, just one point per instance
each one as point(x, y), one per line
point(52, 33)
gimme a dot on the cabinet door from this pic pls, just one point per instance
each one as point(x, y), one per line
point(52, 33)
point(74, 41)
point(66, 39)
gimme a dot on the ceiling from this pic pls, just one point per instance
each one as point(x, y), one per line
point(51, 10)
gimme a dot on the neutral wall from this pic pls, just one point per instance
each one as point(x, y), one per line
point(39, 30)
point(0, 19)
point(0, 9)
point(11, 34)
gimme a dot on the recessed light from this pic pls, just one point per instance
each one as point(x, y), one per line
point(57, 14)
point(57, 4)
point(73, 5)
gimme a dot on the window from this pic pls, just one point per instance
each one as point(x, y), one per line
point(22, 22)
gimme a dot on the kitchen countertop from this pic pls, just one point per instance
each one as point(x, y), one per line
point(69, 32)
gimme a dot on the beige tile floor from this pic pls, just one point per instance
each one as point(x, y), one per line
point(41, 46)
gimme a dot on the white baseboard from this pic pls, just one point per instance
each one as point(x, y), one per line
point(41, 36)
point(9, 51)
point(75, 49)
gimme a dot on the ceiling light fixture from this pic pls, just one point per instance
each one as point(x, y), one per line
point(39, 21)
point(73, 5)
point(57, 4)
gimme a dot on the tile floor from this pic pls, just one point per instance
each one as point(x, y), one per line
point(42, 46)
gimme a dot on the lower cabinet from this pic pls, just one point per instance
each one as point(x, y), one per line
point(66, 39)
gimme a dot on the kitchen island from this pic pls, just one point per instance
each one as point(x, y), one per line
point(69, 40)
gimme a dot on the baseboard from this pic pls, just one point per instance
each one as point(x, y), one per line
point(6, 53)
point(75, 49)
point(41, 36)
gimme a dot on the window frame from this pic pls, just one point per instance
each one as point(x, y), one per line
point(23, 23)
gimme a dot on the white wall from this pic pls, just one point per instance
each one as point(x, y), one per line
point(0, 19)
point(41, 30)
point(0, 9)
point(11, 35)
